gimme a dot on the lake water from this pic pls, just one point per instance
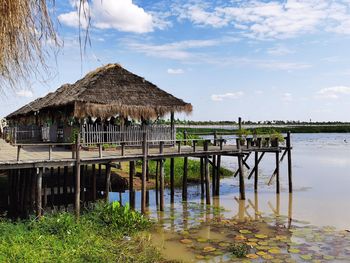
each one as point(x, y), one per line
point(319, 204)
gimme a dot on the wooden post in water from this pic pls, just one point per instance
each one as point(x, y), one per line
point(289, 147)
point(108, 181)
point(157, 181)
point(256, 171)
point(277, 169)
point(144, 171)
point(39, 181)
point(202, 175)
point(83, 170)
point(217, 183)
point(93, 183)
point(161, 177)
point(77, 177)
point(207, 179)
point(172, 180)
point(65, 177)
point(241, 172)
point(131, 181)
point(239, 123)
point(184, 180)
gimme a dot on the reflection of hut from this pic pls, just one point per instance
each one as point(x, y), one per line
point(106, 99)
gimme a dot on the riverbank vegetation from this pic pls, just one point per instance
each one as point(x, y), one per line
point(104, 233)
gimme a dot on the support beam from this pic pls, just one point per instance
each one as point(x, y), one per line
point(39, 182)
point(256, 171)
point(131, 180)
point(161, 177)
point(93, 183)
point(184, 179)
point(244, 162)
point(157, 181)
point(277, 172)
point(259, 160)
point(172, 180)
point(108, 181)
point(218, 167)
point(144, 171)
point(289, 149)
point(241, 174)
point(207, 178)
point(77, 177)
point(202, 175)
point(213, 176)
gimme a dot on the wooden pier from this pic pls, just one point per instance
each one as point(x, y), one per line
point(47, 171)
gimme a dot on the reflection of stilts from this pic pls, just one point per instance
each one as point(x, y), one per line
point(255, 206)
point(172, 216)
point(277, 210)
point(216, 203)
point(242, 210)
point(185, 214)
point(290, 209)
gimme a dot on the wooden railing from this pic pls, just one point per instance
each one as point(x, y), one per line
point(128, 135)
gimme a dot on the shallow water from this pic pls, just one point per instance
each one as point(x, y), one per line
point(321, 178)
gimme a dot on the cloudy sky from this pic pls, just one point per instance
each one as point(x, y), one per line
point(256, 59)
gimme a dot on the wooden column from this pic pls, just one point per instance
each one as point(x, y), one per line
point(65, 177)
point(289, 147)
point(52, 191)
point(93, 183)
point(172, 180)
point(83, 170)
point(217, 183)
point(207, 178)
point(184, 180)
point(161, 177)
point(239, 123)
point(39, 181)
point(172, 128)
point(277, 172)
point(256, 171)
point(77, 177)
point(58, 187)
point(108, 181)
point(202, 175)
point(131, 181)
point(213, 175)
point(241, 174)
point(157, 181)
point(144, 171)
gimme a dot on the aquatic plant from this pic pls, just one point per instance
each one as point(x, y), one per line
point(239, 249)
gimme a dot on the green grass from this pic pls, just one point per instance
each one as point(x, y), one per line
point(96, 237)
point(193, 175)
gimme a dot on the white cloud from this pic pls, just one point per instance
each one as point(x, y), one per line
point(279, 51)
point(180, 50)
point(230, 95)
point(175, 71)
point(122, 15)
point(270, 19)
point(333, 92)
point(24, 93)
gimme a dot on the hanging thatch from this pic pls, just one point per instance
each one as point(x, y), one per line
point(109, 91)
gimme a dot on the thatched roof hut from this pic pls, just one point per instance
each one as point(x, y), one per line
point(107, 91)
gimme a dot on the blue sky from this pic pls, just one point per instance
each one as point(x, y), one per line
point(262, 60)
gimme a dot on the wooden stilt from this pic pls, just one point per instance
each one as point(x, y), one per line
point(202, 175)
point(93, 183)
point(144, 168)
point(147, 171)
point(172, 180)
point(58, 187)
point(108, 181)
point(77, 178)
point(207, 179)
point(131, 182)
point(184, 180)
point(39, 181)
point(256, 171)
point(65, 192)
point(157, 181)
point(289, 147)
point(161, 177)
point(213, 175)
point(241, 178)
point(218, 167)
point(277, 172)
point(82, 182)
point(52, 191)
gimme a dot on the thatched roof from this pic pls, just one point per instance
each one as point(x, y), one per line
point(109, 91)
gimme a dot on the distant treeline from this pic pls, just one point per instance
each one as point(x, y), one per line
point(245, 122)
point(269, 130)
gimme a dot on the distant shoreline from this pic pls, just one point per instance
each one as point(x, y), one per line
point(314, 128)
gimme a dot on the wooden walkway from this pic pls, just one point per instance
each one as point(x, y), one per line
point(38, 160)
